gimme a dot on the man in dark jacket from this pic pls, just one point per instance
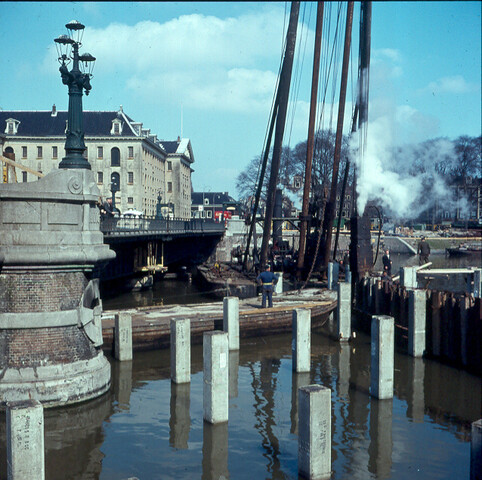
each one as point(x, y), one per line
point(423, 251)
point(268, 280)
point(387, 263)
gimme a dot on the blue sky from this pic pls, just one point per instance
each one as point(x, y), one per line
point(217, 63)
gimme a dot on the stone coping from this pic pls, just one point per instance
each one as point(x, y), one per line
point(29, 320)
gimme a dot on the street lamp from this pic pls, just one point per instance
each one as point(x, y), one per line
point(77, 81)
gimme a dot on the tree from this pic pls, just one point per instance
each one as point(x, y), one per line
point(293, 163)
point(468, 158)
point(247, 180)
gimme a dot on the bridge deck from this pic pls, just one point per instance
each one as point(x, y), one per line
point(151, 325)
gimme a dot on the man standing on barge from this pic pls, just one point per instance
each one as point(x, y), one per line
point(423, 251)
point(268, 280)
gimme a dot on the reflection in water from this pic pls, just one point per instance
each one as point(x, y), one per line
point(180, 420)
point(263, 388)
point(298, 380)
point(233, 373)
point(122, 382)
point(416, 396)
point(73, 440)
point(344, 370)
point(380, 449)
point(135, 431)
point(164, 292)
point(215, 451)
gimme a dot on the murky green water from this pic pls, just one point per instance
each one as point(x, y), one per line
point(148, 428)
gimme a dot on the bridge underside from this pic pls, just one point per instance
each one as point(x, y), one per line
point(141, 256)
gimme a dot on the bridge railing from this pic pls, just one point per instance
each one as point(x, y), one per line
point(138, 226)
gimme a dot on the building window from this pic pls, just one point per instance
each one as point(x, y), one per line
point(24, 152)
point(39, 152)
point(24, 176)
point(206, 201)
point(131, 152)
point(130, 200)
point(169, 166)
point(169, 187)
point(130, 178)
point(10, 128)
point(100, 152)
point(100, 177)
point(116, 127)
point(55, 152)
point(115, 157)
point(209, 214)
point(86, 153)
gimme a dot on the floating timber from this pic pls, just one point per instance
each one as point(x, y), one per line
point(151, 325)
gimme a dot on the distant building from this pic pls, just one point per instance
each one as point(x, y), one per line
point(462, 208)
point(118, 149)
point(214, 205)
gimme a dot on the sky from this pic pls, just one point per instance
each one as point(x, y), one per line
point(207, 71)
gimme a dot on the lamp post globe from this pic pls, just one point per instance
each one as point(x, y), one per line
point(77, 82)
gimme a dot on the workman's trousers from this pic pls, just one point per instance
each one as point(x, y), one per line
point(267, 293)
point(423, 259)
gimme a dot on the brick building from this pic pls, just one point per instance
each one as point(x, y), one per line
point(119, 150)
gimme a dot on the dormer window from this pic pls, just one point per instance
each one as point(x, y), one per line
point(11, 126)
point(116, 127)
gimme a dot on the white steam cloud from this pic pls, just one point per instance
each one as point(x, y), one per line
point(405, 180)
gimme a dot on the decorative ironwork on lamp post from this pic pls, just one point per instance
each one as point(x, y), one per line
point(77, 80)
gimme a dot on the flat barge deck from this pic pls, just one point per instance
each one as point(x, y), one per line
point(151, 325)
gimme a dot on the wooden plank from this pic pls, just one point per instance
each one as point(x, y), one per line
point(12, 163)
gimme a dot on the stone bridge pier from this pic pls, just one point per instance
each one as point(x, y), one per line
point(50, 308)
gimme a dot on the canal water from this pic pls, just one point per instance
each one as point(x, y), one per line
point(149, 428)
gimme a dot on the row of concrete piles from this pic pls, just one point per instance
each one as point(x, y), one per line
point(449, 323)
point(25, 421)
point(414, 328)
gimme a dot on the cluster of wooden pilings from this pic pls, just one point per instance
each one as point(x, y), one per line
point(453, 322)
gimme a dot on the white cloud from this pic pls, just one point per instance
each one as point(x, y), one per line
point(456, 84)
point(385, 63)
point(387, 53)
point(204, 60)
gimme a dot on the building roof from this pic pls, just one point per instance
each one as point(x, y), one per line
point(52, 123)
point(215, 198)
point(170, 147)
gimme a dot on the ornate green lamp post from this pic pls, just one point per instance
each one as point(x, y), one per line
point(77, 81)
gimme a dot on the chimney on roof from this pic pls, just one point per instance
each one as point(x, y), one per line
point(54, 111)
point(178, 139)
